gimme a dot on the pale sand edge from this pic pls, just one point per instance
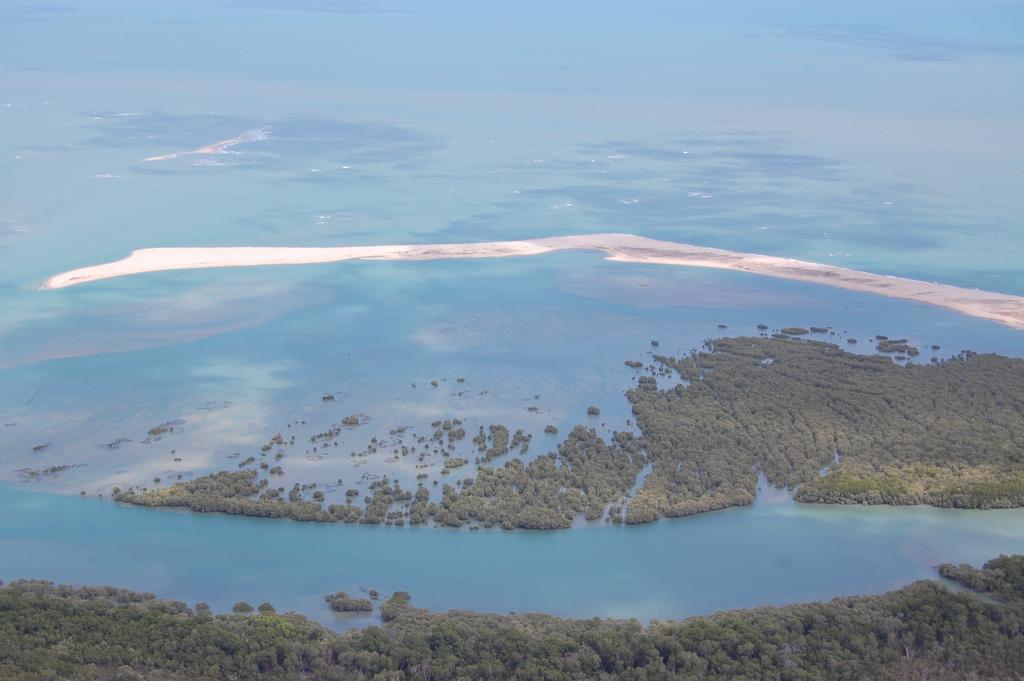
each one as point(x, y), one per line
point(998, 307)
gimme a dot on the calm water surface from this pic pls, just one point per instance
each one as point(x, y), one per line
point(774, 552)
point(879, 135)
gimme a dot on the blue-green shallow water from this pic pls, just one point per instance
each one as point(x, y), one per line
point(774, 552)
point(871, 135)
point(558, 326)
point(876, 135)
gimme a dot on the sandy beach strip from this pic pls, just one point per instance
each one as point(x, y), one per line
point(998, 307)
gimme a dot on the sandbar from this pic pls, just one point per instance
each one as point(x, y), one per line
point(998, 307)
point(217, 147)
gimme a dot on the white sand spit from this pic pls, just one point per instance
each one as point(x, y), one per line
point(999, 307)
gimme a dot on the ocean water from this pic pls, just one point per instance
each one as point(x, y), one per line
point(884, 136)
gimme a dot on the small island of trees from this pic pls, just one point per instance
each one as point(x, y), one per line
point(342, 602)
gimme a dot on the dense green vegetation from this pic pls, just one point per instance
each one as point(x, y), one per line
point(920, 632)
point(946, 486)
point(792, 408)
point(236, 493)
point(1001, 578)
point(948, 434)
point(581, 477)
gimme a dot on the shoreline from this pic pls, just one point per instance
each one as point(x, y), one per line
point(1002, 308)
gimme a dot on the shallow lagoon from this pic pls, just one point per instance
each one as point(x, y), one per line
point(684, 124)
point(558, 327)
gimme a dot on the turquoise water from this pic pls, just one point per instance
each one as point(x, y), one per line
point(774, 552)
point(558, 327)
point(877, 135)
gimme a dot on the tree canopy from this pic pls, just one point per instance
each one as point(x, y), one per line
point(922, 631)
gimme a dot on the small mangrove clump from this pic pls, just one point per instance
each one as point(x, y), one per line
point(899, 345)
point(342, 602)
